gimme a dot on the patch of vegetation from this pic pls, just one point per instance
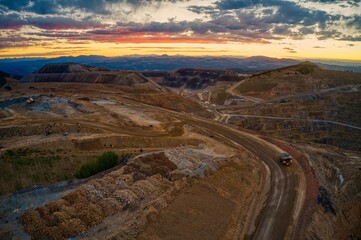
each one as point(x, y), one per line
point(257, 84)
point(25, 167)
point(221, 97)
point(105, 161)
point(306, 69)
point(27, 157)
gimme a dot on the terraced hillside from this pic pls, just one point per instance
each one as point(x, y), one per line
point(302, 102)
point(71, 72)
point(315, 115)
point(298, 79)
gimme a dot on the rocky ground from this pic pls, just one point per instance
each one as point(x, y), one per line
point(315, 113)
point(339, 201)
point(45, 142)
point(134, 196)
point(173, 166)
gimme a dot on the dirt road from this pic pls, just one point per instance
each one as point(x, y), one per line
point(227, 116)
point(232, 92)
point(279, 213)
point(275, 218)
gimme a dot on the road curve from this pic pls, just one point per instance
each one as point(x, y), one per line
point(278, 216)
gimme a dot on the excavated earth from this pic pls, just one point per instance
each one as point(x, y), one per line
point(158, 193)
point(315, 114)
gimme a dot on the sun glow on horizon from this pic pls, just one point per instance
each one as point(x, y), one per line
point(280, 28)
point(305, 51)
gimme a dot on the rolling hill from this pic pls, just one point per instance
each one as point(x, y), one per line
point(193, 78)
point(297, 79)
point(72, 72)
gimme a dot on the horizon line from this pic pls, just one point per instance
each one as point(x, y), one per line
point(180, 55)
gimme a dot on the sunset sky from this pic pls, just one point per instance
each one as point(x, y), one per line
point(322, 29)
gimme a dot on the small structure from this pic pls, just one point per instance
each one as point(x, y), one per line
point(285, 159)
point(30, 101)
point(354, 89)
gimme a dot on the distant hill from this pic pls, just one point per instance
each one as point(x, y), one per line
point(69, 68)
point(193, 78)
point(255, 64)
point(72, 72)
point(305, 77)
point(150, 63)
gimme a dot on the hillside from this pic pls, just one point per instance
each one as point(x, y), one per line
point(302, 78)
point(7, 83)
point(193, 78)
point(302, 102)
point(149, 63)
point(69, 68)
point(71, 72)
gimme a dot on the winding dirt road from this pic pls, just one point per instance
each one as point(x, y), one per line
point(276, 215)
point(279, 213)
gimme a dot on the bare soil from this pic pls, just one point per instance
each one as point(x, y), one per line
point(214, 207)
point(47, 141)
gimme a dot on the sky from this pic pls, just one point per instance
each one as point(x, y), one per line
point(299, 29)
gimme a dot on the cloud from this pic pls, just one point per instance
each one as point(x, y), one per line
point(16, 21)
point(290, 50)
point(280, 18)
point(354, 22)
point(11, 21)
point(356, 38)
point(62, 23)
point(286, 12)
point(236, 21)
point(57, 6)
point(16, 40)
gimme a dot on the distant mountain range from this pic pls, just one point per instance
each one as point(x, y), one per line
point(24, 66)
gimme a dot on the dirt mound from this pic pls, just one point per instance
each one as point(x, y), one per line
point(150, 165)
point(85, 207)
point(69, 68)
point(109, 77)
point(173, 102)
point(71, 72)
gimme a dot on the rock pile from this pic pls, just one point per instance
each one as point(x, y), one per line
point(142, 179)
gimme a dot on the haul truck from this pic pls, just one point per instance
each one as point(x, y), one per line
point(285, 159)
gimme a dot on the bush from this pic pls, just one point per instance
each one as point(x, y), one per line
point(222, 97)
point(105, 161)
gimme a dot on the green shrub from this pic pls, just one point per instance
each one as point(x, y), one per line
point(105, 161)
point(222, 97)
